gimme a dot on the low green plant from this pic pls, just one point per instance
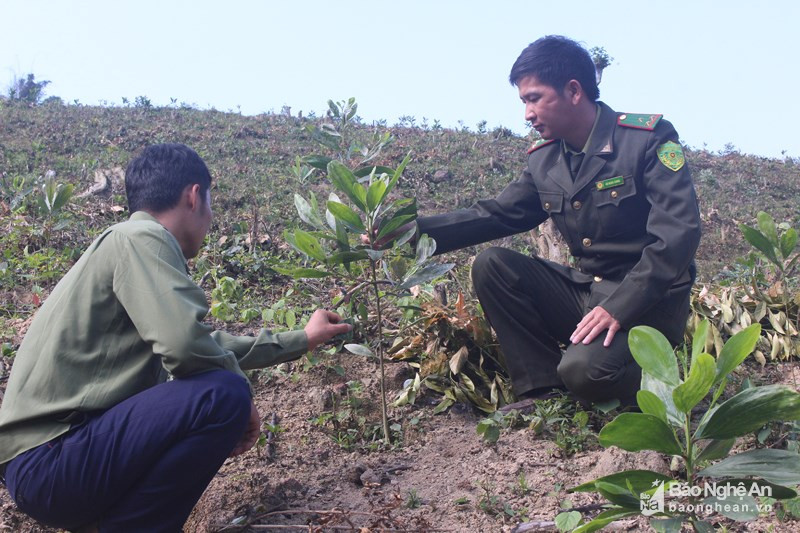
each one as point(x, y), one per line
point(558, 417)
point(413, 500)
point(53, 195)
point(15, 190)
point(681, 415)
point(225, 297)
point(493, 505)
point(773, 276)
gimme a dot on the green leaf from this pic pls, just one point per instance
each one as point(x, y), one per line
point(405, 237)
point(639, 480)
point(334, 108)
point(667, 525)
point(777, 466)
point(443, 406)
point(398, 172)
point(489, 429)
point(651, 404)
point(639, 431)
point(63, 194)
point(605, 518)
point(375, 255)
point(375, 194)
point(309, 245)
point(759, 242)
point(307, 213)
point(426, 274)
point(699, 339)
point(618, 494)
point(767, 226)
point(300, 273)
point(736, 350)
point(568, 521)
point(369, 169)
point(716, 449)
point(697, 384)
point(317, 161)
point(758, 487)
point(359, 349)
point(740, 508)
point(348, 217)
point(788, 242)
point(347, 257)
point(664, 393)
point(702, 526)
point(388, 226)
point(425, 248)
point(345, 181)
point(654, 354)
point(749, 410)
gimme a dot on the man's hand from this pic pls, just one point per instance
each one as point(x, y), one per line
point(593, 324)
point(251, 432)
point(323, 326)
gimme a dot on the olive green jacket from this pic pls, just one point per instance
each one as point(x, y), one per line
point(631, 222)
point(122, 318)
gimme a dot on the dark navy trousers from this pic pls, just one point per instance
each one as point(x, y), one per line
point(140, 466)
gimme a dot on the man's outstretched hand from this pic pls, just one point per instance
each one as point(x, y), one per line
point(323, 326)
point(593, 324)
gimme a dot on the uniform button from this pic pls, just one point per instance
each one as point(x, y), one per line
point(587, 242)
point(576, 205)
point(598, 279)
point(614, 194)
point(547, 205)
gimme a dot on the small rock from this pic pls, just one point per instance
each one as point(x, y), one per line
point(441, 175)
point(397, 374)
point(370, 479)
point(320, 399)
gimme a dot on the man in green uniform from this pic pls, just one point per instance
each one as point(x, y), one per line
point(618, 189)
point(91, 430)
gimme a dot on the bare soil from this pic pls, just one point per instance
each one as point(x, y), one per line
point(440, 477)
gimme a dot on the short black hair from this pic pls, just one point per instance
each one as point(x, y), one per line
point(155, 179)
point(555, 60)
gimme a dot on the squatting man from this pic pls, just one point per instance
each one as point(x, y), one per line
point(618, 189)
point(92, 434)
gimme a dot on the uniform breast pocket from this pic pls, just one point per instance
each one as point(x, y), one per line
point(552, 202)
point(617, 210)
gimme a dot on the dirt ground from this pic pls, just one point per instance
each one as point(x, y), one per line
point(442, 477)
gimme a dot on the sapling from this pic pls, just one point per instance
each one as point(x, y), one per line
point(681, 415)
point(336, 249)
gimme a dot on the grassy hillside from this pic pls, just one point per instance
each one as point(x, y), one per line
point(251, 158)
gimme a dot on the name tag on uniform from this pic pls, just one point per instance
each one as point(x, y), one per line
point(609, 183)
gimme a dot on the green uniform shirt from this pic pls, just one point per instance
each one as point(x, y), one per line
point(122, 318)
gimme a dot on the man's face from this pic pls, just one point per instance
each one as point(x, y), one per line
point(547, 109)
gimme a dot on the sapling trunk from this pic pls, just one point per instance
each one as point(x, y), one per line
point(379, 352)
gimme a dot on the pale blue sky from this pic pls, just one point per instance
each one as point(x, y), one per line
point(722, 72)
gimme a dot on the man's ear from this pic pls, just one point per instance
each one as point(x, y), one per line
point(574, 91)
point(194, 197)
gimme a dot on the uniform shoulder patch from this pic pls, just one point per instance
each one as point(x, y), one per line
point(671, 155)
point(638, 121)
point(538, 144)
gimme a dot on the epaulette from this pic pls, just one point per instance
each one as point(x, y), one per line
point(639, 121)
point(538, 144)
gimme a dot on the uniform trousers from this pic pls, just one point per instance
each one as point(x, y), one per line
point(534, 308)
point(139, 466)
